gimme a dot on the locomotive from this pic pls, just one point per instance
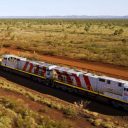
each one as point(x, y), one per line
point(111, 88)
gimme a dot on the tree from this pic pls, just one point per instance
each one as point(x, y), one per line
point(87, 28)
point(118, 32)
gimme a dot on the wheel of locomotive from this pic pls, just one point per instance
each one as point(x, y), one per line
point(75, 91)
point(39, 80)
point(70, 90)
point(57, 85)
point(125, 107)
point(34, 78)
point(115, 104)
point(64, 88)
point(3, 68)
point(6, 69)
point(52, 84)
point(47, 82)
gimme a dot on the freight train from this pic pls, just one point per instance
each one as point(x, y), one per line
point(114, 90)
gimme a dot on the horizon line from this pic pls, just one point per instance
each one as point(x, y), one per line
point(65, 15)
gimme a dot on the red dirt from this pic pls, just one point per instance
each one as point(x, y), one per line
point(52, 113)
point(108, 69)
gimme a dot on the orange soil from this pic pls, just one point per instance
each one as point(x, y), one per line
point(44, 110)
point(108, 69)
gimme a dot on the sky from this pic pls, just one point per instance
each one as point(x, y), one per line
point(63, 7)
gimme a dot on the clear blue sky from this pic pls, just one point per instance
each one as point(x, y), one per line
point(63, 7)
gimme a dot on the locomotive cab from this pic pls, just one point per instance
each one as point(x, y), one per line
point(10, 61)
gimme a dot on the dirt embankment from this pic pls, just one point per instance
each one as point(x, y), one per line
point(43, 109)
point(97, 67)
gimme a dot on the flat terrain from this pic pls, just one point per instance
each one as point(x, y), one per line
point(98, 46)
point(103, 41)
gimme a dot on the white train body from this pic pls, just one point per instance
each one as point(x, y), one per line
point(107, 86)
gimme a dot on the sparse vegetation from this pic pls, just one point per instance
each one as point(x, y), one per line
point(95, 40)
point(69, 110)
point(20, 117)
point(15, 113)
point(118, 32)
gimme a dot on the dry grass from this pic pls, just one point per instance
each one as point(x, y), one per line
point(95, 40)
point(69, 110)
point(14, 113)
point(25, 117)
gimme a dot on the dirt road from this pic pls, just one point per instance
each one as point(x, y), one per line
point(107, 69)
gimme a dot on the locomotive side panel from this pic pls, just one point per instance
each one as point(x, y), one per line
point(111, 86)
point(90, 82)
point(102, 85)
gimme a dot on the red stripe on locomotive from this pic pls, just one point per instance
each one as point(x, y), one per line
point(37, 69)
point(87, 81)
point(31, 67)
point(77, 80)
point(69, 81)
point(44, 71)
point(60, 77)
point(25, 66)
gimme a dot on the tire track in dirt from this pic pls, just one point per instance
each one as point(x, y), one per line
point(107, 69)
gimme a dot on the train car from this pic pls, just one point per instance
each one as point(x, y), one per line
point(23, 64)
point(111, 88)
point(107, 86)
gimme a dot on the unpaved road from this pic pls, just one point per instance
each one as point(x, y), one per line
point(107, 69)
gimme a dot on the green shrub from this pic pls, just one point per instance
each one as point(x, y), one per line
point(5, 122)
point(118, 32)
point(71, 111)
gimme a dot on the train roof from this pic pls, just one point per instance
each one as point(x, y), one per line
point(113, 79)
point(91, 75)
point(14, 56)
point(47, 65)
point(43, 64)
point(68, 70)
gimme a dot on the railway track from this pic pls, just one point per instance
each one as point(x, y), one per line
point(35, 87)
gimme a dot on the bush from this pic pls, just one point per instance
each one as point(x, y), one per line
point(124, 41)
point(5, 122)
point(118, 32)
point(71, 111)
point(27, 122)
point(87, 28)
point(107, 124)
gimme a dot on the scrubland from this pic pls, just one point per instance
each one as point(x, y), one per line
point(103, 41)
